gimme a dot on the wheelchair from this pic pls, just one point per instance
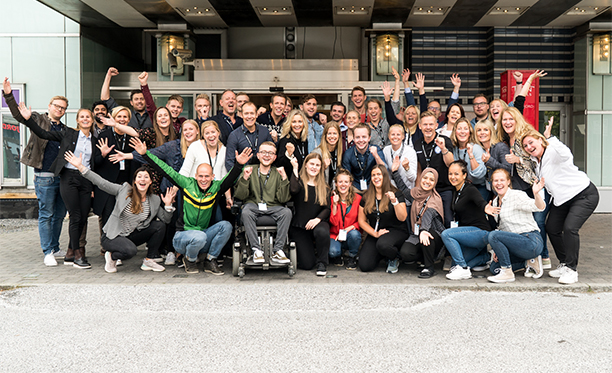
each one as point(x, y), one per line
point(242, 257)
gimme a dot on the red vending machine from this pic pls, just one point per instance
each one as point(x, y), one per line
point(532, 101)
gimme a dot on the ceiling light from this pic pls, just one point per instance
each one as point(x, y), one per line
point(207, 12)
point(341, 11)
point(431, 11)
point(586, 10)
point(275, 11)
point(507, 10)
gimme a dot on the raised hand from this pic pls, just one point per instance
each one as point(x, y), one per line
point(512, 157)
point(6, 86)
point(322, 119)
point(419, 82)
point(244, 157)
point(108, 121)
point(406, 164)
point(274, 135)
point(143, 78)
point(518, 76)
point(548, 130)
point(335, 198)
point(395, 74)
point(282, 173)
point(289, 149)
point(391, 196)
point(168, 198)
point(396, 163)
point(469, 148)
point(491, 210)
point(261, 110)
point(295, 165)
point(247, 173)
point(26, 112)
point(441, 144)
point(117, 157)
point(538, 74)
point(387, 90)
point(406, 76)
point(75, 161)
point(486, 156)
point(138, 145)
point(112, 71)
point(456, 80)
point(373, 151)
point(536, 187)
point(103, 146)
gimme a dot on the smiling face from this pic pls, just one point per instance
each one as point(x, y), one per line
point(310, 107)
point(203, 104)
point(142, 181)
point(374, 111)
point(508, 123)
point(500, 183)
point(122, 117)
point(100, 110)
point(463, 133)
point(84, 119)
point(204, 175)
point(138, 102)
point(240, 100)
point(228, 103)
point(211, 136)
point(278, 106)
point(343, 185)
point(57, 109)
point(189, 132)
point(428, 126)
point(483, 133)
point(297, 125)
point(377, 178)
point(495, 109)
point(411, 116)
point(361, 138)
point(266, 155)
point(337, 112)
point(249, 115)
point(534, 146)
point(454, 114)
point(428, 181)
point(352, 119)
point(480, 107)
point(175, 107)
point(396, 136)
point(456, 176)
point(163, 119)
point(332, 136)
point(313, 167)
point(288, 107)
point(358, 99)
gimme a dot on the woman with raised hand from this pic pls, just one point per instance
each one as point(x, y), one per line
point(453, 113)
point(405, 153)
point(331, 151)
point(309, 226)
point(74, 189)
point(344, 226)
point(574, 198)
point(466, 240)
point(410, 123)
point(426, 220)
point(382, 215)
point(293, 142)
point(466, 149)
point(517, 242)
point(208, 150)
point(132, 221)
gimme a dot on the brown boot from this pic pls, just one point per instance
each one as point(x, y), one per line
point(69, 258)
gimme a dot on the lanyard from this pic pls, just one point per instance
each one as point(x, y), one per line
point(377, 211)
point(244, 130)
point(379, 131)
point(120, 139)
point(418, 217)
point(428, 156)
point(459, 193)
point(262, 184)
point(334, 160)
point(399, 154)
point(300, 148)
point(359, 163)
point(348, 209)
point(210, 158)
point(229, 123)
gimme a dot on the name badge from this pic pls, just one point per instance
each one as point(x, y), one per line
point(363, 185)
point(416, 229)
point(262, 206)
point(341, 235)
point(122, 165)
point(454, 224)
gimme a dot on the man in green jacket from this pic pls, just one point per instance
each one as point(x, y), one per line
point(264, 189)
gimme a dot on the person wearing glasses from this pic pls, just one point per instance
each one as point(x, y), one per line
point(480, 104)
point(40, 154)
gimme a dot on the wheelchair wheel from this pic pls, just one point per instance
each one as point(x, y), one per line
point(236, 260)
point(293, 259)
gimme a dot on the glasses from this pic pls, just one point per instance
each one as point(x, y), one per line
point(479, 104)
point(264, 153)
point(433, 108)
point(59, 107)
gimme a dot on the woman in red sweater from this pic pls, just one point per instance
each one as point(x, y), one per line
point(344, 228)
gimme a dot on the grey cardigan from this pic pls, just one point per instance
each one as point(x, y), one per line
point(121, 192)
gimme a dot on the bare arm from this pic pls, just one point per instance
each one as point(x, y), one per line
point(105, 91)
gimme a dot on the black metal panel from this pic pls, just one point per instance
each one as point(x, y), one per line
point(386, 11)
point(314, 12)
point(543, 12)
point(156, 10)
point(79, 12)
point(236, 13)
point(467, 13)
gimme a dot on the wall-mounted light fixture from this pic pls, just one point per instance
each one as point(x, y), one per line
point(602, 64)
point(387, 54)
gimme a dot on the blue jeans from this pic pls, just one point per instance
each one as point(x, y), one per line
point(51, 212)
point(210, 240)
point(522, 246)
point(353, 240)
point(467, 245)
point(540, 218)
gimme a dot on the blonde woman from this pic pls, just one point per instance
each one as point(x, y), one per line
point(494, 155)
point(331, 151)
point(352, 120)
point(465, 148)
point(293, 142)
point(406, 155)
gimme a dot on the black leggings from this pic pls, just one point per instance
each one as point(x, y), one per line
point(565, 221)
point(412, 253)
point(125, 247)
point(312, 245)
point(76, 193)
point(386, 246)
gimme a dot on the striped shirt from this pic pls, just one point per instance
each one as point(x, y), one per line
point(130, 221)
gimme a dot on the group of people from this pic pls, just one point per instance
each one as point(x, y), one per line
point(414, 185)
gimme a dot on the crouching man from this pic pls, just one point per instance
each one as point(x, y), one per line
point(264, 189)
point(193, 234)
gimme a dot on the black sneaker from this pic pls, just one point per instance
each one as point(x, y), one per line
point(190, 267)
point(321, 269)
point(81, 263)
point(337, 261)
point(211, 266)
point(427, 273)
point(351, 264)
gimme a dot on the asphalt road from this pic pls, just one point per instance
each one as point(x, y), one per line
point(301, 327)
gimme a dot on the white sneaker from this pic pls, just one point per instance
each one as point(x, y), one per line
point(569, 277)
point(280, 257)
point(170, 259)
point(459, 273)
point(504, 275)
point(258, 256)
point(150, 265)
point(534, 267)
point(119, 262)
point(111, 265)
point(50, 260)
point(557, 273)
point(61, 254)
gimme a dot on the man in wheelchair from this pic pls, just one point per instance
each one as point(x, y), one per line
point(264, 190)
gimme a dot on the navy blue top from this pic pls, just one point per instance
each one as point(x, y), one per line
point(360, 165)
point(51, 149)
point(241, 139)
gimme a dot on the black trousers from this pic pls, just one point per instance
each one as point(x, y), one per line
point(126, 247)
point(312, 245)
point(565, 221)
point(412, 253)
point(76, 193)
point(386, 246)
